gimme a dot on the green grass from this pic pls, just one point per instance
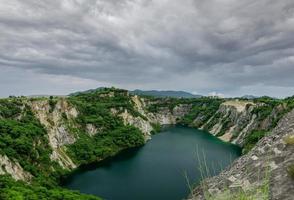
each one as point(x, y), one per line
point(291, 171)
point(289, 140)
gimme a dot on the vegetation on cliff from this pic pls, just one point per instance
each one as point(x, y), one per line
point(24, 140)
point(269, 112)
point(96, 109)
point(203, 109)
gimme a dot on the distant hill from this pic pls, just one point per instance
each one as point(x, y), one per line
point(168, 93)
point(249, 97)
point(154, 93)
point(86, 91)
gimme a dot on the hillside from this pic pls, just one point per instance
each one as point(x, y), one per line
point(44, 139)
point(168, 93)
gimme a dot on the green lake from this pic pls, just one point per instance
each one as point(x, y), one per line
point(159, 169)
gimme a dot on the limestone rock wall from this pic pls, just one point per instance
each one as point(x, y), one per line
point(167, 116)
point(232, 121)
point(55, 124)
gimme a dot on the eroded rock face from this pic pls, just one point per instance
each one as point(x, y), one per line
point(13, 168)
point(138, 122)
point(266, 162)
point(166, 116)
point(233, 121)
point(92, 130)
point(58, 134)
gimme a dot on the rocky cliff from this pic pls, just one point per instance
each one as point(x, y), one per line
point(51, 116)
point(263, 173)
point(13, 168)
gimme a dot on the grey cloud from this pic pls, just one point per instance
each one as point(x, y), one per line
point(215, 45)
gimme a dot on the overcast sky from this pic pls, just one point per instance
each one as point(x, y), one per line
point(230, 47)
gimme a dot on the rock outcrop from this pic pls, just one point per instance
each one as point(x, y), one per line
point(138, 122)
point(167, 116)
point(233, 120)
point(13, 168)
point(52, 117)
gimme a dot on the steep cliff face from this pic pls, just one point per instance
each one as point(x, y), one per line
point(56, 118)
point(235, 120)
point(145, 122)
point(262, 172)
point(165, 115)
point(141, 123)
point(232, 121)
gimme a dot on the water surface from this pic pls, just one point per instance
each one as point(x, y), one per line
point(156, 171)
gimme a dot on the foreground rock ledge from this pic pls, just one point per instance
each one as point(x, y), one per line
point(262, 173)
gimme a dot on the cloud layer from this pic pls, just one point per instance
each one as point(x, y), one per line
point(228, 46)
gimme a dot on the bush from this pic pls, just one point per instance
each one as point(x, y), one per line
point(18, 190)
point(252, 139)
point(52, 103)
point(156, 128)
point(291, 171)
point(289, 140)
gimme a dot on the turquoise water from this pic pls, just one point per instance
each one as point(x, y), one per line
point(157, 170)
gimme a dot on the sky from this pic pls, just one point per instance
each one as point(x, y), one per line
point(223, 47)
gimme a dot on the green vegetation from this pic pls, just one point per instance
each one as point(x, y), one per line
point(203, 109)
point(252, 139)
point(24, 139)
point(52, 103)
point(289, 140)
point(90, 149)
point(101, 109)
point(291, 171)
point(10, 108)
point(18, 190)
point(270, 110)
point(273, 109)
point(156, 128)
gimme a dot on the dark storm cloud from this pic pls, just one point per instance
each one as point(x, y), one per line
point(213, 45)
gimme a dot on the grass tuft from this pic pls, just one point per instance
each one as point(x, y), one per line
point(289, 140)
point(291, 171)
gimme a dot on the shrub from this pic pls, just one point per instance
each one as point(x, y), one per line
point(52, 104)
point(156, 128)
point(289, 139)
point(252, 139)
point(291, 171)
